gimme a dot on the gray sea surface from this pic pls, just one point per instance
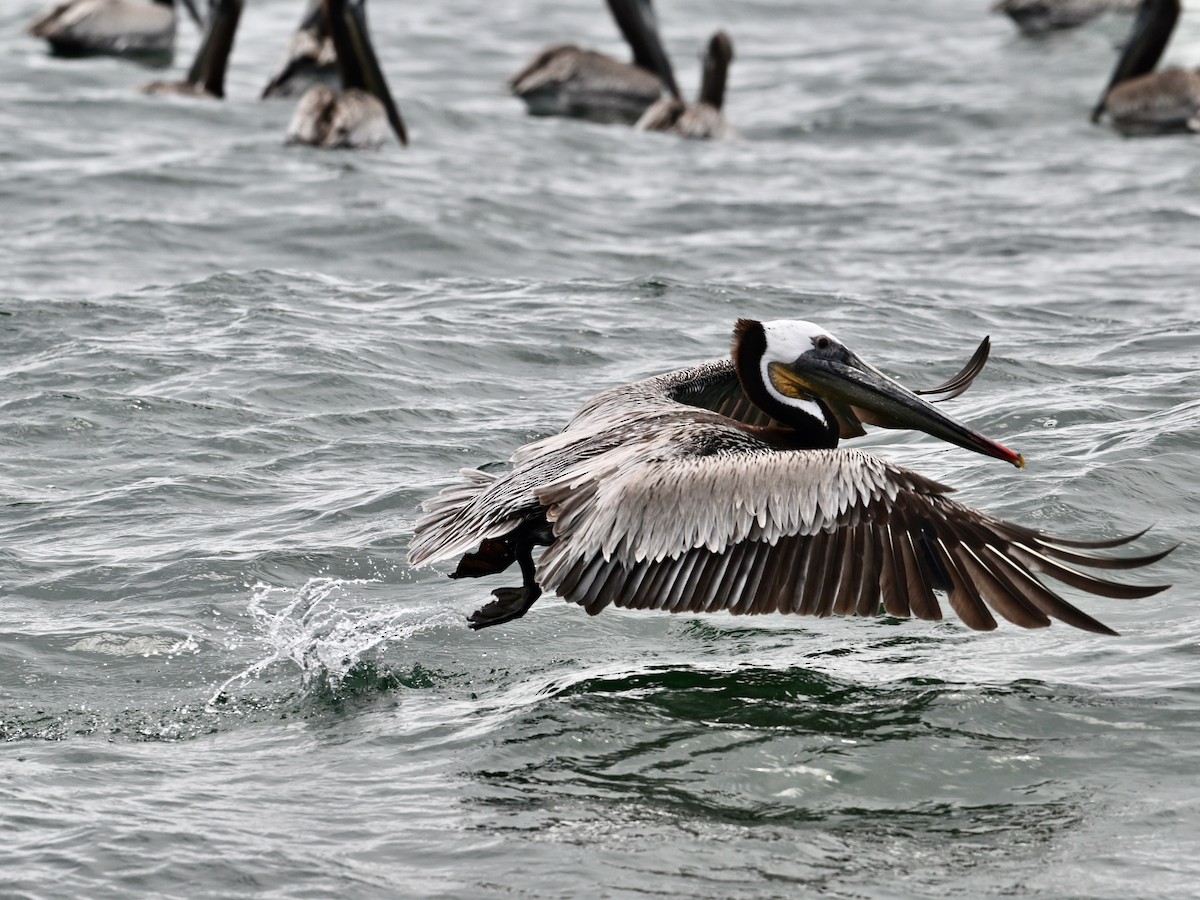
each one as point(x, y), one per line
point(231, 370)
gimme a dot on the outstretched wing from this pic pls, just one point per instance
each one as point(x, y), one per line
point(716, 521)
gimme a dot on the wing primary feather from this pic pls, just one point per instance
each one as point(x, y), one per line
point(821, 552)
point(1057, 547)
point(668, 571)
point(1076, 579)
point(723, 597)
point(705, 573)
point(792, 596)
point(635, 583)
point(925, 543)
point(680, 590)
point(849, 575)
point(964, 597)
point(649, 594)
point(872, 565)
point(595, 607)
point(663, 575)
point(598, 595)
point(808, 579)
point(921, 600)
point(999, 596)
point(1103, 562)
point(1029, 535)
point(1040, 595)
point(709, 581)
point(739, 599)
point(703, 578)
point(715, 599)
point(760, 586)
point(608, 587)
point(581, 592)
point(653, 590)
point(891, 582)
point(568, 585)
point(751, 570)
point(836, 570)
point(954, 535)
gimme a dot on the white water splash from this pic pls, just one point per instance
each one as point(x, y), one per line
point(324, 641)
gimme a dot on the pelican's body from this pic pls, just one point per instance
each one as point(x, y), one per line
point(334, 119)
point(311, 57)
point(1039, 16)
point(721, 487)
point(703, 119)
point(1141, 101)
point(112, 27)
point(565, 80)
point(206, 77)
point(361, 113)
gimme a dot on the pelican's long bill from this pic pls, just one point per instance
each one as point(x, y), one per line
point(887, 403)
point(363, 64)
point(638, 23)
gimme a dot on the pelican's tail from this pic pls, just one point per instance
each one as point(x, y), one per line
point(459, 520)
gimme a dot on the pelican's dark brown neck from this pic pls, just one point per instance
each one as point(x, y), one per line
point(716, 70)
point(793, 429)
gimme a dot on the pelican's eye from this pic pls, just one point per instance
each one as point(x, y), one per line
point(822, 343)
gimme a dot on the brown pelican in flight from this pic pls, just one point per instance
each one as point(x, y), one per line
point(310, 56)
point(702, 119)
point(1040, 16)
point(111, 27)
point(564, 80)
point(206, 77)
point(721, 487)
point(358, 116)
point(1141, 101)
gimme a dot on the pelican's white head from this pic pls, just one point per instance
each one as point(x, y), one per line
point(788, 338)
point(786, 341)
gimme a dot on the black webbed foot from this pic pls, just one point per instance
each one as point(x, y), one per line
point(510, 603)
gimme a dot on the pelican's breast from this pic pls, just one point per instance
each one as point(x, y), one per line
point(350, 119)
point(310, 121)
point(705, 122)
point(359, 121)
point(699, 121)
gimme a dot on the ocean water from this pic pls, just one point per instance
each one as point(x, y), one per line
point(231, 370)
